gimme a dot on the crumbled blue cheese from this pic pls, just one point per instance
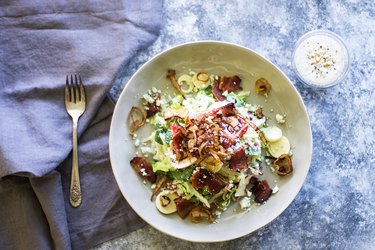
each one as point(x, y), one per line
point(148, 98)
point(245, 203)
point(136, 143)
point(143, 171)
point(280, 118)
point(275, 189)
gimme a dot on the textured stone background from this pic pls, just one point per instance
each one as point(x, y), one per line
point(336, 207)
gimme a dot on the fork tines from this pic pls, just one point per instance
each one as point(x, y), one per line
point(73, 92)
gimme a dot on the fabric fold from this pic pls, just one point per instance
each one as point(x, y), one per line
point(40, 43)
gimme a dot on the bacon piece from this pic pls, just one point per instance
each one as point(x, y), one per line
point(143, 168)
point(183, 207)
point(225, 83)
point(238, 161)
point(227, 110)
point(177, 140)
point(260, 189)
point(218, 94)
point(231, 83)
point(151, 109)
point(178, 150)
point(203, 178)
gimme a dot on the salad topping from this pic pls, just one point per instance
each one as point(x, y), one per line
point(207, 146)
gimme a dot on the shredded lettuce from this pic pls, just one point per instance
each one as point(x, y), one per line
point(175, 102)
point(189, 191)
point(181, 174)
point(238, 98)
point(164, 166)
point(199, 103)
point(230, 174)
point(163, 136)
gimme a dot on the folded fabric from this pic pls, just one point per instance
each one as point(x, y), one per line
point(40, 43)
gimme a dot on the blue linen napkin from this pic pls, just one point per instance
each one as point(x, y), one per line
point(40, 43)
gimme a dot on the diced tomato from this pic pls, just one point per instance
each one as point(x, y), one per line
point(242, 131)
point(175, 128)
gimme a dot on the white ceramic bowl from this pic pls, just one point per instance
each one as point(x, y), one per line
point(219, 58)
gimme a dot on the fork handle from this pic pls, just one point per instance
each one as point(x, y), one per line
point(75, 185)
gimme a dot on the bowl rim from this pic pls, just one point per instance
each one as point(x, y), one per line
point(338, 39)
point(153, 58)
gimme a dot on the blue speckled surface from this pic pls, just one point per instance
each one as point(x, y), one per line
point(336, 206)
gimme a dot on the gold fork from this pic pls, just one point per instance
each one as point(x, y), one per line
point(75, 104)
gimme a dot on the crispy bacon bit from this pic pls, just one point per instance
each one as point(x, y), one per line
point(137, 119)
point(183, 207)
point(218, 94)
point(227, 110)
point(159, 184)
point(143, 168)
point(260, 189)
point(171, 75)
point(208, 134)
point(231, 83)
point(262, 86)
point(152, 109)
point(238, 161)
point(177, 147)
point(283, 165)
point(198, 214)
point(203, 178)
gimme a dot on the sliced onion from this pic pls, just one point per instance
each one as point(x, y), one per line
point(201, 80)
point(136, 122)
point(201, 76)
point(186, 80)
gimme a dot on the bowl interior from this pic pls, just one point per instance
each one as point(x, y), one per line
point(219, 58)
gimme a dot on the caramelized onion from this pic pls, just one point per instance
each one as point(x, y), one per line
point(136, 122)
point(158, 185)
point(198, 214)
point(283, 165)
point(262, 86)
point(201, 76)
point(171, 75)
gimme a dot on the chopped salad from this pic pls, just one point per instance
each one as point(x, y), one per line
point(207, 146)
